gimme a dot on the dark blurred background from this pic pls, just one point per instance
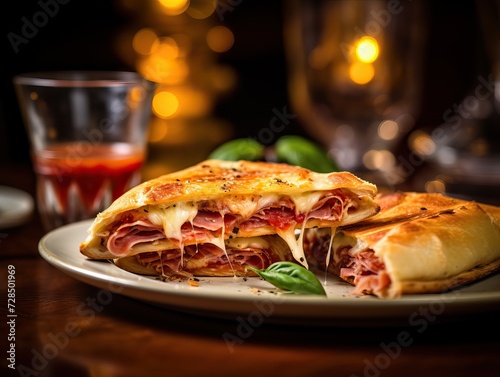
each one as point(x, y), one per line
point(248, 76)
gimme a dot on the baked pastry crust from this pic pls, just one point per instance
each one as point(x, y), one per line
point(233, 187)
point(427, 243)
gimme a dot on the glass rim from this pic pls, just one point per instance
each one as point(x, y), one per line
point(79, 78)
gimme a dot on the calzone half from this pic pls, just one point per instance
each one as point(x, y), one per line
point(417, 243)
point(223, 208)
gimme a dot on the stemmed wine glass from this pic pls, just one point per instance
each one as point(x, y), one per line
point(462, 153)
point(355, 71)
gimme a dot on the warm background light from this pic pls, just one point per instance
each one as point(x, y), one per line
point(166, 47)
point(388, 130)
point(220, 39)
point(136, 96)
point(436, 185)
point(173, 7)
point(379, 160)
point(165, 104)
point(421, 143)
point(175, 43)
point(201, 9)
point(143, 41)
point(361, 69)
point(361, 73)
point(367, 49)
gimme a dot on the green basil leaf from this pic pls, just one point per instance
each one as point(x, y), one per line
point(291, 277)
point(296, 150)
point(239, 149)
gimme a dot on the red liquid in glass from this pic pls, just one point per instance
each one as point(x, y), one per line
point(92, 169)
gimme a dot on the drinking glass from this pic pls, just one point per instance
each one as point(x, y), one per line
point(354, 76)
point(88, 138)
point(462, 153)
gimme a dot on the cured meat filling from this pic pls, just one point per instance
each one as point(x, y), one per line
point(364, 269)
point(356, 265)
point(207, 256)
point(191, 225)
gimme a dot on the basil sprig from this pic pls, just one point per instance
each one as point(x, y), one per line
point(239, 149)
point(296, 150)
point(291, 277)
point(290, 149)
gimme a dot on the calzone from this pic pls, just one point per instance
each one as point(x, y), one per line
point(417, 243)
point(203, 219)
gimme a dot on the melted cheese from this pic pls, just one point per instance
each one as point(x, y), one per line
point(246, 242)
point(245, 206)
point(267, 200)
point(220, 242)
point(304, 203)
point(172, 218)
point(341, 240)
point(333, 230)
point(295, 245)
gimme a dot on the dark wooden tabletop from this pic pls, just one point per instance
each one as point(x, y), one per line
point(62, 329)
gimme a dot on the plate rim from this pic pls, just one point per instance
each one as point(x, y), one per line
point(22, 209)
point(347, 310)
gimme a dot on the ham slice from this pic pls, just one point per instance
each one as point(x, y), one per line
point(329, 208)
point(365, 268)
point(209, 220)
point(135, 227)
point(215, 200)
point(356, 265)
point(205, 256)
point(129, 234)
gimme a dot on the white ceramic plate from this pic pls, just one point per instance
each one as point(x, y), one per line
point(16, 207)
point(253, 301)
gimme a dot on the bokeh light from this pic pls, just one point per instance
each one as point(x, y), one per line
point(367, 49)
point(175, 47)
point(388, 130)
point(164, 71)
point(361, 73)
point(166, 47)
point(173, 7)
point(379, 160)
point(479, 147)
point(143, 41)
point(435, 185)
point(220, 39)
point(158, 130)
point(421, 143)
point(165, 104)
point(201, 9)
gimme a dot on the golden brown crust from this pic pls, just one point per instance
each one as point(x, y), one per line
point(212, 179)
point(458, 280)
point(431, 242)
point(216, 179)
point(403, 206)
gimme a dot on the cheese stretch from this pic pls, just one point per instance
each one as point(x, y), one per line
point(173, 217)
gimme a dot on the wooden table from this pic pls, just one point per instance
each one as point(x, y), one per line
point(62, 329)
